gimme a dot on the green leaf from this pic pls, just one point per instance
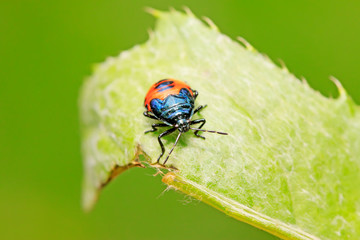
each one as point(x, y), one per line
point(290, 164)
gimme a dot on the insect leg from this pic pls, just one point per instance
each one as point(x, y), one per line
point(199, 108)
point(167, 132)
point(155, 126)
point(147, 114)
point(172, 149)
point(202, 121)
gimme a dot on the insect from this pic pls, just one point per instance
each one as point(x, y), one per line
point(172, 102)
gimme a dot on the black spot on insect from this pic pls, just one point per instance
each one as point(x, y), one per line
point(163, 84)
point(165, 88)
point(162, 80)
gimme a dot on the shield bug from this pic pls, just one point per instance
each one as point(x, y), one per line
point(173, 103)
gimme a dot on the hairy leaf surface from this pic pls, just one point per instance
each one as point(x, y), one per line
point(290, 164)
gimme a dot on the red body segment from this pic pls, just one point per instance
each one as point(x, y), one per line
point(164, 88)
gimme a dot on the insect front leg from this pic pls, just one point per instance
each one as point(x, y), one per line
point(167, 132)
point(155, 126)
point(202, 121)
point(149, 115)
point(199, 108)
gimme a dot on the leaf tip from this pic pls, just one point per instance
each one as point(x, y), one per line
point(210, 23)
point(89, 198)
point(341, 89)
point(188, 11)
point(304, 81)
point(283, 65)
point(246, 44)
point(152, 11)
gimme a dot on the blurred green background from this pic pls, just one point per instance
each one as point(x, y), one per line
point(47, 48)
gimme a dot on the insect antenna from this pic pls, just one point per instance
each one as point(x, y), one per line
point(210, 131)
point(176, 141)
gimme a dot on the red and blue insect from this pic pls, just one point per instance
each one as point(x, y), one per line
point(173, 103)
